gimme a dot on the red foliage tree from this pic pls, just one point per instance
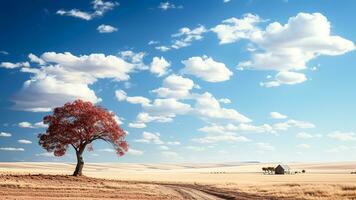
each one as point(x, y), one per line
point(78, 124)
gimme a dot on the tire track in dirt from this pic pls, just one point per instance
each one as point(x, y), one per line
point(193, 194)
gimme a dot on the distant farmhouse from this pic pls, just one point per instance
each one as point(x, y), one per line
point(282, 169)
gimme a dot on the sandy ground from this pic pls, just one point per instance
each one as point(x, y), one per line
point(176, 181)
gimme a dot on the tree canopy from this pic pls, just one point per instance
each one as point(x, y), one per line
point(78, 124)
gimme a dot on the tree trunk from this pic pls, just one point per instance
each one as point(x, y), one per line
point(80, 164)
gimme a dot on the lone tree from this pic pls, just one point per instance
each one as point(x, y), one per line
point(78, 124)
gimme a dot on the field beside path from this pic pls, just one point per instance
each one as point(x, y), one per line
point(175, 181)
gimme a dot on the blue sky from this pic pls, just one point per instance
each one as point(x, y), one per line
point(190, 81)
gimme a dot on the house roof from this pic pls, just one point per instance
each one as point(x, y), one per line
point(285, 167)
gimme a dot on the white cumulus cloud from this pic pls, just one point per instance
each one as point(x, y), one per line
point(234, 29)
point(30, 125)
point(4, 134)
point(159, 66)
point(285, 77)
point(277, 115)
point(167, 5)
point(122, 96)
point(23, 141)
point(137, 125)
point(231, 128)
point(230, 138)
point(148, 137)
point(175, 86)
point(304, 135)
point(11, 149)
point(67, 77)
point(184, 38)
point(106, 28)
point(134, 152)
point(207, 69)
point(342, 136)
point(10, 65)
point(207, 106)
point(284, 48)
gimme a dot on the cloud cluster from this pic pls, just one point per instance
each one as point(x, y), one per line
point(100, 7)
point(168, 105)
point(304, 135)
point(206, 107)
point(342, 136)
point(231, 128)
point(285, 77)
point(30, 125)
point(231, 138)
point(283, 126)
point(167, 5)
point(155, 138)
point(184, 38)
point(64, 77)
point(166, 108)
point(284, 48)
point(122, 96)
point(229, 132)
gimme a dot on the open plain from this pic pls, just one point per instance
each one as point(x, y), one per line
point(24, 180)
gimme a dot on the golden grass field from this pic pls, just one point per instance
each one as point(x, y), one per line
point(24, 180)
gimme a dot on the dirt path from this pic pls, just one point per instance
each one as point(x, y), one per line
point(193, 194)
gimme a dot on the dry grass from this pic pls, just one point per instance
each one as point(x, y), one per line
point(177, 181)
point(33, 187)
point(68, 187)
point(294, 191)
